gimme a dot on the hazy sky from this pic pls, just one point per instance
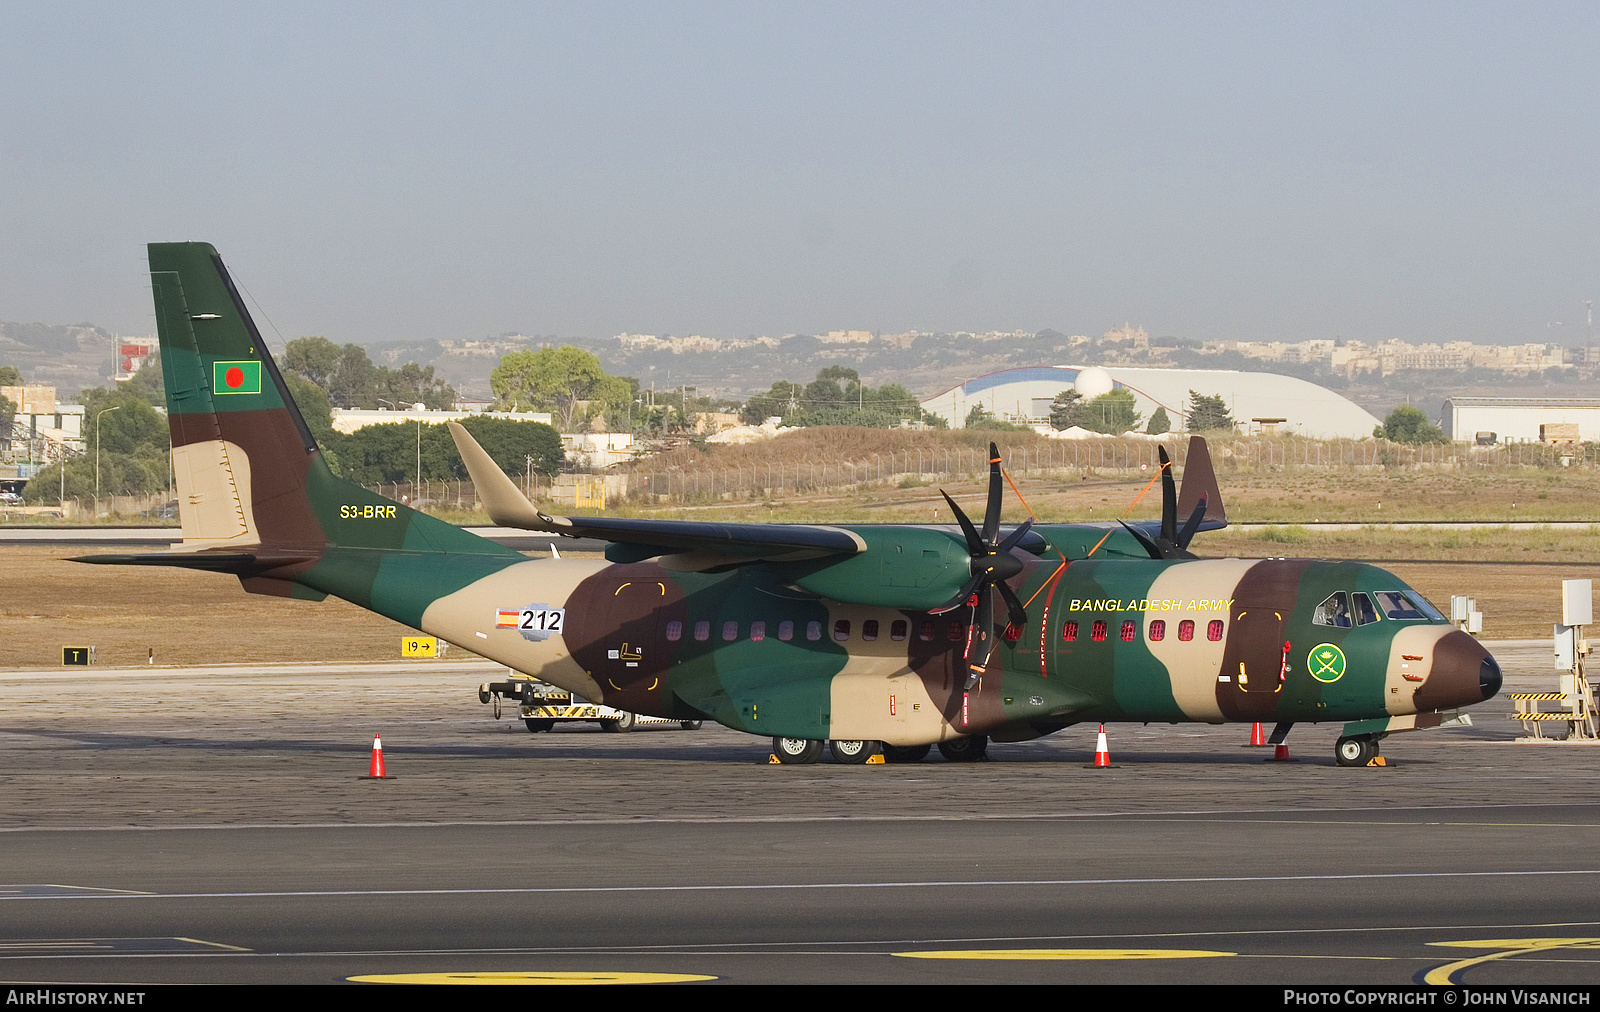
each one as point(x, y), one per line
point(1255, 171)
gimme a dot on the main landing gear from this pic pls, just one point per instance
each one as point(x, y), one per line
point(1358, 750)
point(851, 752)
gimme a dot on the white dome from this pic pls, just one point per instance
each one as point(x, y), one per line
point(1093, 382)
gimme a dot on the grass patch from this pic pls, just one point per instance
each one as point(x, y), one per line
point(1286, 535)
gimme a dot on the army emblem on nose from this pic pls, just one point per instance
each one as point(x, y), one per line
point(1326, 662)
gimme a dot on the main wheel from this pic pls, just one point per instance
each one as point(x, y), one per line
point(906, 753)
point(1356, 751)
point(853, 752)
point(689, 725)
point(970, 749)
point(537, 724)
point(797, 750)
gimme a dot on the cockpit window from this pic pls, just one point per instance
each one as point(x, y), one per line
point(1400, 607)
point(1334, 611)
point(1365, 613)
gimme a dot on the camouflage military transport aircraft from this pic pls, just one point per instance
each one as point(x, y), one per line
point(873, 638)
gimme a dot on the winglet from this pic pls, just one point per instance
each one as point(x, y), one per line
point(1200, 480)
point(506, 504)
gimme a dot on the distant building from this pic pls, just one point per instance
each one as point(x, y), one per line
point(133, 353)
point(348, 420)
point(1520, 419)
point(42, 431)
point(1024, 395)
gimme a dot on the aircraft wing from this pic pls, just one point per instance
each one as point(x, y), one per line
point(687, 544)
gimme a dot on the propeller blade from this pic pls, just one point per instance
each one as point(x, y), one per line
point(1015, 536)
point(1169, 498)
point(975, 544)
point(980, 641)
point(962, 596)
point(1153, 547)
point(1016, 614)
point(1191, 525)
point(991, 514)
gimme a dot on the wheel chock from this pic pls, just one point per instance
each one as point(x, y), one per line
point(876, 760)
point(1377, 760)
point(773, 760)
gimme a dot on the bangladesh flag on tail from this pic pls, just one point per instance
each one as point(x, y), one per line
point(236, 378)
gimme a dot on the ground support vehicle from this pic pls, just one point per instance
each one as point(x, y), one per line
point(542, 705)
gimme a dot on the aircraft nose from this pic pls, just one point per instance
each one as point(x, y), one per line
point(1463, 673)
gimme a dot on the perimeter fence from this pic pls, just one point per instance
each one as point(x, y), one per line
point(706, 481)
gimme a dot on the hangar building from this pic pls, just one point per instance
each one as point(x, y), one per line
point(1518, 419)
point(1024, 395)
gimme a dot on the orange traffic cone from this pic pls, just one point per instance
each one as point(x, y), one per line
point(1280, 753)
point(1258, 736)
point(1102, 755)
point(375, 772)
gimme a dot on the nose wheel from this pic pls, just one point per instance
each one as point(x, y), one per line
point(1356, 751)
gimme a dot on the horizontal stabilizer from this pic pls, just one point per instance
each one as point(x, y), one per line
point(215, 561)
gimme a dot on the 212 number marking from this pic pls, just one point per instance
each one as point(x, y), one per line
point(542, 619)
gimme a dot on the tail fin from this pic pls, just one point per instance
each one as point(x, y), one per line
point(254, 494)
point(1200, 479)
point(241, 452)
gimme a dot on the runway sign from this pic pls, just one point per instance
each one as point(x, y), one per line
point(419, 646)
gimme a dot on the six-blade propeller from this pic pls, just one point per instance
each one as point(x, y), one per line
point(992, 563)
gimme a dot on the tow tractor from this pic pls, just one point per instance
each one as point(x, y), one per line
point(542, 705)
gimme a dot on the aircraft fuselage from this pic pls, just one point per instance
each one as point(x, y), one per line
point(1115, 640)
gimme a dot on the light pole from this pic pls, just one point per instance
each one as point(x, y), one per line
point(98, 415)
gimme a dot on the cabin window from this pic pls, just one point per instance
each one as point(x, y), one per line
point(869, 630)
point(897, 629)
point(1397, 606)
point(1127, 631)
point(730, 631)
point(1214, 630)
point(786, 630)
point(1097, 632)
point(925, 631)
point(702, 630)
point(1069, 631)
point(758, 631)
point(1333, 611)
point(1366, 614)
point(1186, 630)
point(813, 631)
point(1158, 630)
point(841, 630)
point(674, 631)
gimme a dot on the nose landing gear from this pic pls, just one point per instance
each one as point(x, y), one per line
point(1358, 750)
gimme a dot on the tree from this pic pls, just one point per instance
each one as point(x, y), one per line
point(1158, 422)
point(781, 399)
point(133, 452)
point(566, 381)
point(1112, 412)
point(1207, 414)
point(1408, 424)
point(512, 443)
point(380, 454)
point(315, 358)
point(9, 377)
point(1066, 410)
